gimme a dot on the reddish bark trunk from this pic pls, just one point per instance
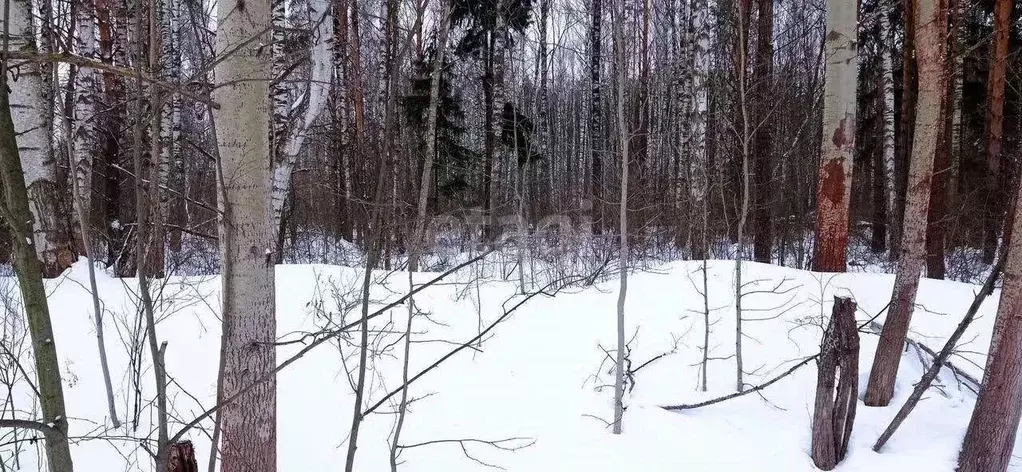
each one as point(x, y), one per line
point(937, 215)
point(990, 439)
point(995, 127)
point(930, 41)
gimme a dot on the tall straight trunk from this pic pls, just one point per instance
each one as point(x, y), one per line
point(85, 96)
point(930, 42)
point(31, 99)
point(243, 122)
point(887, 89)
point(995, 182)
point(493, 91)
point(990, 438)
point(622, 128)
point(909, 97)
point(147, 193)
point(835, 184)
point(937, 214)
point(596, 141)
point(763, 145)
point(33, 293)
point(698, 165)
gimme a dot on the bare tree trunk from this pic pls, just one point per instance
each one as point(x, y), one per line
point(763, 239)
point(31, 99)
point(314, 100)
point(937, 213)
point(620, 64)
point(835, 184)
point(418, 237)
point(990, 438)
point(887, 84)
point(249, 326)
point(930, 42)
point(834, 412)
point(699, 168)
point(909, 97)
point(15, 207)
point(995, 126)
point(596, 141)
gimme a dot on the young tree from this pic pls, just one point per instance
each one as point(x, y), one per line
point(835, 184)
point(622, 128)
point(930, 43)
point(249, 321)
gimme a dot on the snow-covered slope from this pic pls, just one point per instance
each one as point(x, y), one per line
point(540, 377)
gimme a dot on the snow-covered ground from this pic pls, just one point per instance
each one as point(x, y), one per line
point(541, 377)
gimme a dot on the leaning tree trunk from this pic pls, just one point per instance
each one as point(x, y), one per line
point(930, 43)
point(249, 424)
point(995, 183)
point(835, 184)
point(31, 98)
point(29, 271)
point(315, 100)
point(990, 438)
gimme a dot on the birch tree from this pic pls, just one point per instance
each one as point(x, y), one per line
point(249, 322)
point(930, 45)
point(835, 184)
point(15, 206)
point(699, 33)
point(313, 100)
point(31, 107)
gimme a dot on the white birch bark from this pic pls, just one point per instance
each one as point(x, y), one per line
point(887, 73)
point(700, 42)
point(243, 122)
point(31, 99)
point(314, 99)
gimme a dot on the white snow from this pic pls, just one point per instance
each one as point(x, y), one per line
point(537, 378)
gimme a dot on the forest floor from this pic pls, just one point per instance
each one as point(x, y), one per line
point(534, 397)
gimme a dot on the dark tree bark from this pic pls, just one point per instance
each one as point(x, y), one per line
point(909, 96)
point(834, 412)
point(596, 116)
point(763, 83)
point(937, 215)
point(995, 127)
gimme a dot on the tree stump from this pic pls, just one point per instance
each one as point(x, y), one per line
point(835, 408)
point(182, 458)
